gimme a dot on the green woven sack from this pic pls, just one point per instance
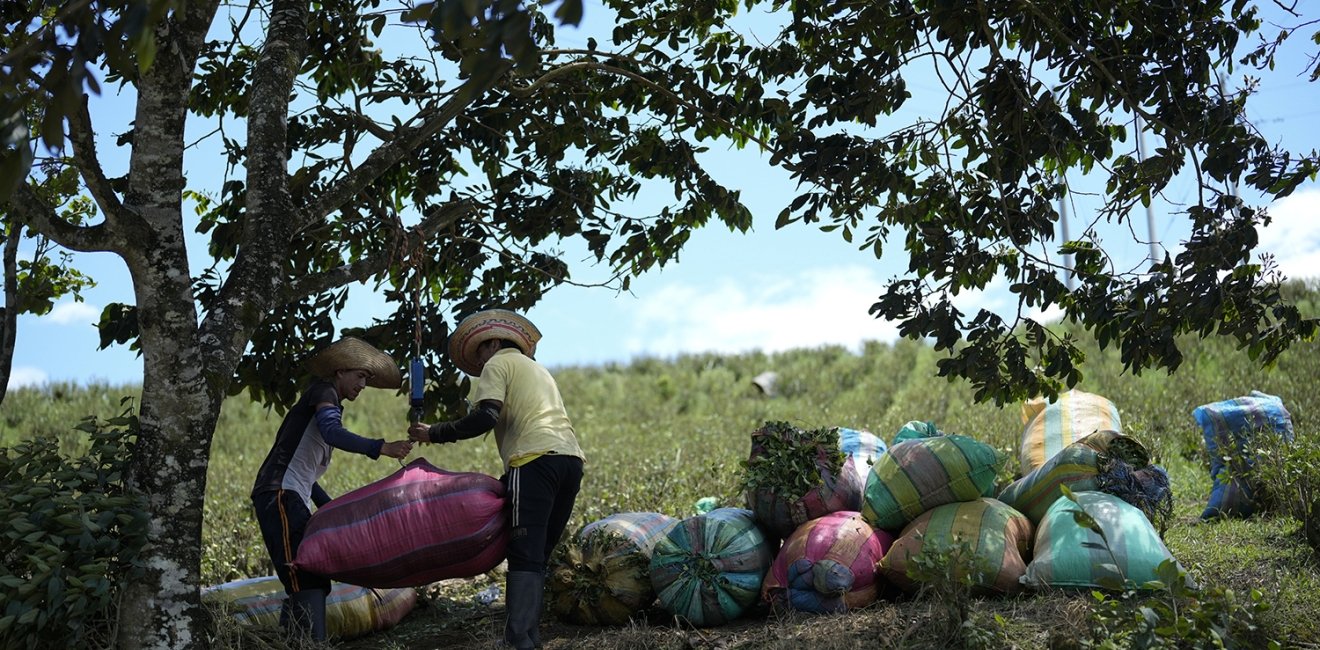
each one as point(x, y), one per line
point(1069, 555)
point(708, 569)
point(1079, 466)
point(916, 475)
point(996, 537)
point(602, 574)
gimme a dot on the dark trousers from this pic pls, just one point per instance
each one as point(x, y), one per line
point(540, 495)
point(282, 516)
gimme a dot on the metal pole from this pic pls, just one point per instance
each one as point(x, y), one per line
point(1063, 225)
point(1150, 212)
point(1230, 185)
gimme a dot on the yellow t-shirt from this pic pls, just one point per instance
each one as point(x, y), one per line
point(533, 421)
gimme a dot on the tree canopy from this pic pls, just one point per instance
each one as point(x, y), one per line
point(440, 151)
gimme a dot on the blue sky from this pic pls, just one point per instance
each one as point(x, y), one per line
point(769, 289)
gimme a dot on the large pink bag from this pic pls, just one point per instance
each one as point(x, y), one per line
point(417, 526)
point(828, 565)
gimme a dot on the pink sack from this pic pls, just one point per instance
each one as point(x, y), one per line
point(419, 525)
point(828, 565)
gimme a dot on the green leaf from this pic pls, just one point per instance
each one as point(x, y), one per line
point(146, 52)
point(420, 13)
point(569, 12)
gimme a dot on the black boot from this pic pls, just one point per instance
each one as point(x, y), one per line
point(522, 608)
point(307, 613)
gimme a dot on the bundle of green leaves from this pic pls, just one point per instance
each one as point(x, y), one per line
point(788, 461)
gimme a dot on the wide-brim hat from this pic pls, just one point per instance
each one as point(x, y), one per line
point(351, 353)
point(484, 326)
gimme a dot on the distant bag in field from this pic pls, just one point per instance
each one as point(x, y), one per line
point(1104, 461)
point(1069, 555)
point(827, 565)
point(793, 476)
point(602, 574)
point(1228, 428)
point(709, 568)
point(917, 475)
point(419, 525)
point(989, 538)
point(350, 611)
point(1049, 427)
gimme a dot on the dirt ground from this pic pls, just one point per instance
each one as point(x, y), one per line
point(461, 621)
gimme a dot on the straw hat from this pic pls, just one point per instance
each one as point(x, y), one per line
point(484, 326)
point(351, 353)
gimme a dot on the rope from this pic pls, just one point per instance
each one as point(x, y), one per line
point(416, 373)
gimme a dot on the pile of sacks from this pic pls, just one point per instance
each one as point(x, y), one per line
point(833, 518)
point(872, 511)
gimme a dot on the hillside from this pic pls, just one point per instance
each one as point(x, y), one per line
point(662, 433)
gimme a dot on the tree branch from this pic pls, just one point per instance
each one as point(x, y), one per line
point(655, 87)
point(9, 312)
point(437, 220)
point(390, 153)
point(41, 217)
point(89, 165)
point(1130, 102)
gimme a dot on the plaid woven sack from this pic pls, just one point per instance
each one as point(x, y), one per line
point(350, 611)
point(1227, 428)
point(602, 574)
point(990, 539)
point(708, 569)
point(1070, 555)
point(827, 565)
point(416, 526)
point(1049, 427)
point(916, 475)
point(1079, 466)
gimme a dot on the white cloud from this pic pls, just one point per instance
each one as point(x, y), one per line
point(26, 376)
point(1293, 236)
point(806, 310)
point(1053, 314)
point(997, 299)
point(72, 312)
point(993, 298)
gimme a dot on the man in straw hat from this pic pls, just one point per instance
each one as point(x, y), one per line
point(519, 399)
point(286, 485)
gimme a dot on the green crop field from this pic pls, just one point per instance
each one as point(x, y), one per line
point(661, 434)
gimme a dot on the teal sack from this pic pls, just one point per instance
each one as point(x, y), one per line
point(1068, 555)
point(708, 569)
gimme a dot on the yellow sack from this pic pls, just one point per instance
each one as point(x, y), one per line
point(1049, 427)
point(350, 611)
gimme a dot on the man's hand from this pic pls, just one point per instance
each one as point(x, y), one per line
point(396, 449)
point(420, 432)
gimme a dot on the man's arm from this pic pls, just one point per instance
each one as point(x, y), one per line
point(479, 421)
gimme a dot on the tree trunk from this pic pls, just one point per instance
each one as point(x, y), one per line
point(163, 609)
point(181, 395)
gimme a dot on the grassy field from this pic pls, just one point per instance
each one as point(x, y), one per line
point(661, 434)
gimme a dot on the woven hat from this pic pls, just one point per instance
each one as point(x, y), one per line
point(351, 353)
point(484, 326)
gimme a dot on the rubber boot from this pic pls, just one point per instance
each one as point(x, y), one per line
point(307, 613)
point(522, 608)
point(540, 609)
point(535, 634)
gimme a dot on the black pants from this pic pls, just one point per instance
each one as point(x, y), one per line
point(282, 516)
point(540, 495)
